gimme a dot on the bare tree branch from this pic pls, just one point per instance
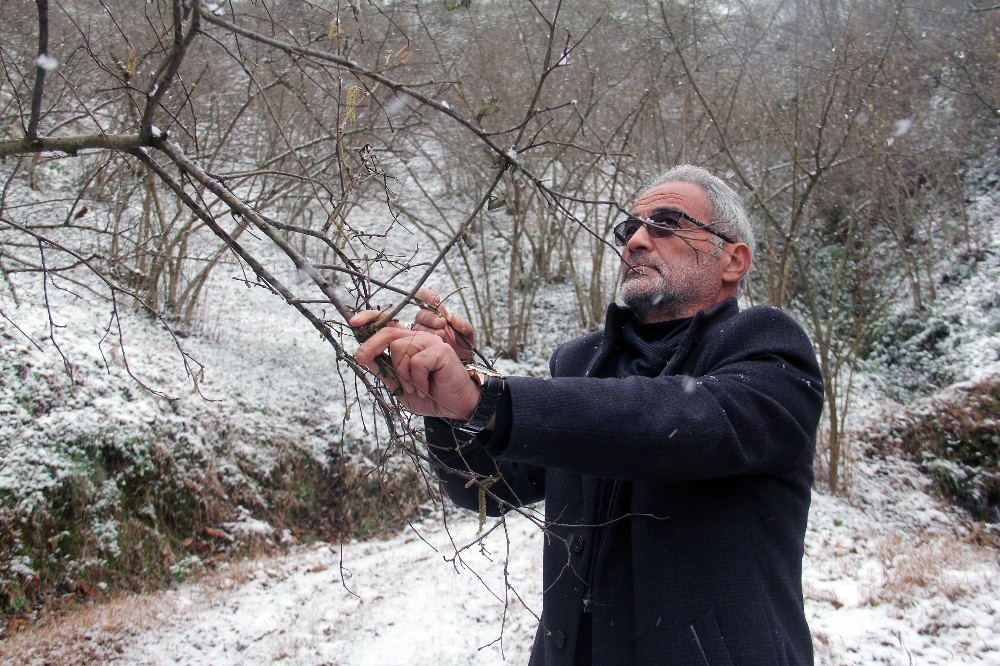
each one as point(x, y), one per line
point(41, 67)
point(169, 68)
point(73, 145)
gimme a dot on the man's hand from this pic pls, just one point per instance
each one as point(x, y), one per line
point(454, 330)
point(418, 367)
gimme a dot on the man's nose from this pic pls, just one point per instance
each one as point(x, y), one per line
point(640, 240)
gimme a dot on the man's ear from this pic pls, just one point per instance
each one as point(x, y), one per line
point(736, 263)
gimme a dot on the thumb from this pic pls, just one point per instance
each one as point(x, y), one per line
point(463, 326)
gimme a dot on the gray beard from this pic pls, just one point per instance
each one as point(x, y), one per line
point(667, 292)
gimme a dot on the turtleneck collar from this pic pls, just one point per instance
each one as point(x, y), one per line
point(607, 363)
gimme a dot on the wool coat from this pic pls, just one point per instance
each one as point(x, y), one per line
point(675, 505)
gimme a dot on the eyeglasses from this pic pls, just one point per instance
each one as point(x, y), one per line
point(660, 225)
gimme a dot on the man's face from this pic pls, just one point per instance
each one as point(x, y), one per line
point(676, 275)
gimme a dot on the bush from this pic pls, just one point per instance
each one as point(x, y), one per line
point(100, 492)
point(956, 439)
point(914, 354)
point(121, 515)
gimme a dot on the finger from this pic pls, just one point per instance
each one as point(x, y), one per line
point(420, 376)
point(364, 317)
point(379, 365)
point(436, 308)
point(463, 326)
point(404, 372)
point(464, 336)
point(380, 342)
point(428, 319)
point(429, 296)
point(401, 352)
point(369, 318)
point(423, 366)
point(409, 344)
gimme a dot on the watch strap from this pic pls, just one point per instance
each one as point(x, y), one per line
point(493, 386)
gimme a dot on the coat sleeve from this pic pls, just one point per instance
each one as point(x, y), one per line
point(510, 484)
point(749, 403)
point(514, 483)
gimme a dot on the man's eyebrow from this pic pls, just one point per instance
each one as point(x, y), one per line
point(656, 211)
point(668, 209)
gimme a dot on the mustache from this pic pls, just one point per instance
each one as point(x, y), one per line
point(646, 259)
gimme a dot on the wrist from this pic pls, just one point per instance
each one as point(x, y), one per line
point(473, 397)
point(488, 388)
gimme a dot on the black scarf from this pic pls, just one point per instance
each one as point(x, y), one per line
point(647, 348)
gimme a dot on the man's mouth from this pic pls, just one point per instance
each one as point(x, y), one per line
point(640, 269)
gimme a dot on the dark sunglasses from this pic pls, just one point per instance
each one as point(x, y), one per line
point(659, 225)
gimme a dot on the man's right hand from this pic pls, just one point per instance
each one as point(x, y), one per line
point(419, 368)
point(454, 330)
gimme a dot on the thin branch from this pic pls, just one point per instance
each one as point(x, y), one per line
point(169, 68)
point(441, 254)
point(357, 69)
point(115, 290)
point(40, 68)
point(240, 207)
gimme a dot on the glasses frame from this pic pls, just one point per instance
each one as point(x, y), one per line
point(654, 221)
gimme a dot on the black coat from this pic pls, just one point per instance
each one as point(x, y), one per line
point(675, 505)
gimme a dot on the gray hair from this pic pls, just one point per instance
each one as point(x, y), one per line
point(727, 213)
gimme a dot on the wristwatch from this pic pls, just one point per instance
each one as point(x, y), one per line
point(493, 385)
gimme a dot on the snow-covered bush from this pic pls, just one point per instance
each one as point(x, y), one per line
point(955, 437)
point(104, 484)
point(915, 355)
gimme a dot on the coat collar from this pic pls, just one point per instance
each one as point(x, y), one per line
point(616, 317)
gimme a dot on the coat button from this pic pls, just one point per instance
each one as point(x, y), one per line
point(577, 546)
point(560, 639)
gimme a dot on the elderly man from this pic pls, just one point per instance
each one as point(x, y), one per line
point(673, 449)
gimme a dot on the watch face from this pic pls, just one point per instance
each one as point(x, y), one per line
point(479, 373)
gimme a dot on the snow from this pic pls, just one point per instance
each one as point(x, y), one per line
point(400, 596)
point(436, 595)
point(891, 578)
point(46, 62)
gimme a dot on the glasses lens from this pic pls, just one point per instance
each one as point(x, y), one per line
point(667, 219)
point(625, 230)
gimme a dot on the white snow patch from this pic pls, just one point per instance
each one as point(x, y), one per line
point(46, 62)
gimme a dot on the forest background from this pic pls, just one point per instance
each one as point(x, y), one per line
point(339, 155)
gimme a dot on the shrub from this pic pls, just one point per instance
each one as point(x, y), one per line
point(914, 354)
point(956, 439)
point(123, 515)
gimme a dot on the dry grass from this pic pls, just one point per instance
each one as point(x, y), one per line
point(821, 594)
point(87, 634)
point(99, 631)
point(922, 566)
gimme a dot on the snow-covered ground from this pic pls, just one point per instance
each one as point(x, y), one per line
point(887, 579)
point(887, 582)
point(890, 578)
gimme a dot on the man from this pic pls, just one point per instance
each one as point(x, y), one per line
point(673, 450)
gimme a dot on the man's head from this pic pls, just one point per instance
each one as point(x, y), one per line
point(694, 252)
